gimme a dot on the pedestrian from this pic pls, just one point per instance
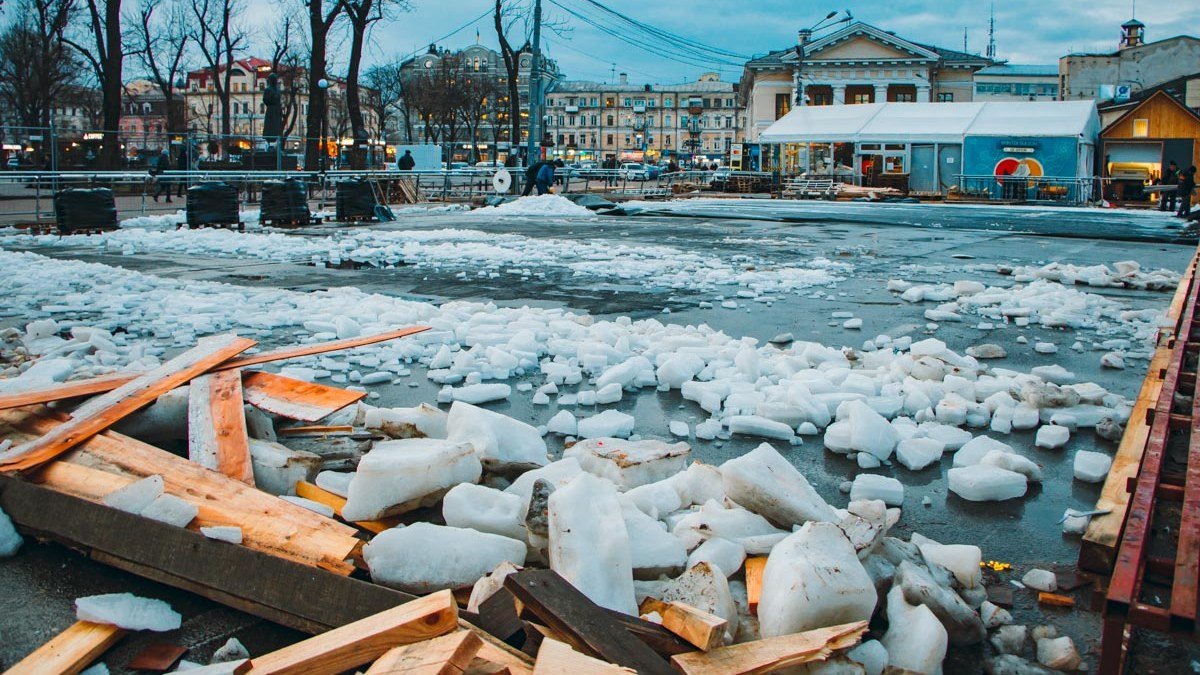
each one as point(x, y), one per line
point(531, 174)
point(162, 187)
point(183, 164)
point(406, 162)
point(1170, 179)
point(1187, 183)
point(545, 178)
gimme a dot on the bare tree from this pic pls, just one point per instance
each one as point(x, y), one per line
point(160, 42)
point(287, 60)
point(363, 14)
point(103, 50)
point(320, 22)
point(509, 14)
point(219, 37)
point(475, 93)
point(36, 67)
point(387, 80)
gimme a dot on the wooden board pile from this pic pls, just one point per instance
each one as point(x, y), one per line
point(67, 477)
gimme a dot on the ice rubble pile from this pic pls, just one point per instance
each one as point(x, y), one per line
point(540, 205)
point(469, 252)
point(1128, 273)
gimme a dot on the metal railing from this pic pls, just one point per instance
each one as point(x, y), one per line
point(1031, 189)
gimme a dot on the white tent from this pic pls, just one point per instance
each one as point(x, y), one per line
point(933, 122)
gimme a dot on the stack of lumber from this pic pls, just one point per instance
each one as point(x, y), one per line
point(65, 465)
point(849, 190)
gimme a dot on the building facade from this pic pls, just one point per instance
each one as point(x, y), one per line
point(481, 128)
point(247, 83)
point(1009, 82)
point(624, 122)
point(1136, 65)
point(144, 120)
point(856, 64)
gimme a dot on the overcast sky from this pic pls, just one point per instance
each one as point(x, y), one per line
point(1027, 31)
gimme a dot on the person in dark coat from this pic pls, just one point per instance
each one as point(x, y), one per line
point(545, 178)
point(531, 174)
point(1187, 183)
point(406, 162)
point(183, 163)
point(1170, 178)
point(162, 187)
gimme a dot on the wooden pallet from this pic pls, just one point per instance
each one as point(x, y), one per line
point(239, 226)
point(290, 222)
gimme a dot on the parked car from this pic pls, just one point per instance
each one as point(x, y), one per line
point(720, 178)
point(458, 166)
point(632, 171)
point(493, 164)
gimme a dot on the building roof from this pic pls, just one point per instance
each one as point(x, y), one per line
point(777, 58)
point(1130, 50)
point(933, 122)
point(1020, 70)
point(1136, 106)
point(1176, 89)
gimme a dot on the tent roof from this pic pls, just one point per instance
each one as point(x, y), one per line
point(932, 122)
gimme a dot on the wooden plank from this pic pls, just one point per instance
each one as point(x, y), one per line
point(288, 593)
point(295, 399)
point(557, 658)
point(99, 385)
point(699, 628)
point(314, 430)
point(336, 502)
point(764, 656)
point(70, 651)
point(268, 523)
point(496, 651)
point(1098, 549)
point(446, 655)
point(217, 437)
point(754, 578)
point(158, 657)
point(364, 640)
point(106, 410)
point(565, 609)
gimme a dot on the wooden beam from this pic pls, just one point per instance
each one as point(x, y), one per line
point(70, 651)
point(771, 654)
point(336, 502)
point(496, 651)
point(217, 437)
point(314, 430)
point(754, 578)
point(298, 596)
point(556, 658)
point(362, 641)
point(104, 411)
point(99, 385)
point(699, 628)
point(295, 399)
point(446, 655)
point(565, 609)
point(268, 522)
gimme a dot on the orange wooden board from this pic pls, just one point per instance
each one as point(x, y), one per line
point(217, 437)
point(295, 399)
point(99, 385)
point(104, 411)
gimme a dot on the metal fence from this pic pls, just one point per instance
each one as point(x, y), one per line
point(1029, 189)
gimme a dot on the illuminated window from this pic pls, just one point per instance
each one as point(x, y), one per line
point(1141, 128)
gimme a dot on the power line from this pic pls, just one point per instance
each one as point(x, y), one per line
point(605, 61)
point(449, 35)
point(666, 34)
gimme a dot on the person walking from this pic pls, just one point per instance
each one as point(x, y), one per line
point(163, 187)
point(531, 175)
point(1187, 183)
point(183, 163)
point(406, 162)
point(1170, 178)
point(545, 178)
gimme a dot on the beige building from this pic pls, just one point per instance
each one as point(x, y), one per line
point(1135, 66)
point(623, 122)
point(1017, 82)
point(856, 64)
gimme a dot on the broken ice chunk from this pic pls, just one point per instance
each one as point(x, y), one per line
point(915, 641)
point(423, 558)
point(629, 464)
point(423, 420)
point(398, 476)
point(485, 509)
point(135, 497)
point(1059, 654)
point(813, 578)
point(868, 486)
point(10, 541)
point(127, 611)
point(722, 554)
point(984, 483)
point(611, 423)
point(315, 507)
point(658, 552)
point(918, 453)
point(765, 482)
point(563, 423)
point(171, 510)
point(481, 393)
point(227, 533)
point(1052, 436)
point(869, 431)
point(589, 544)
point(1041, 580)
point(1091, 467)
point(753, 425)
point(278, 468)
point(501, 442)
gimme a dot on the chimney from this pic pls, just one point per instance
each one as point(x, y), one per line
point(803, 36)
point(624, 78)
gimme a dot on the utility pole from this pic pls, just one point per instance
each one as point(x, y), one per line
point(991, 48)
point(535, 87)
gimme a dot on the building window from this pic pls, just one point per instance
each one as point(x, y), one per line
point(1141, 128)
point(945, 97)
point(609, 141)
point(819, 97)
point(610, 102)
point(667, 120)
point(905, 97)
point(862, 97)
point(783, 105)
point(668, 103)
point(628, 103)
point(610, 120)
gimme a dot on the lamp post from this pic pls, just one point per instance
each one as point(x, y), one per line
point(324, 85)
point(805, 34)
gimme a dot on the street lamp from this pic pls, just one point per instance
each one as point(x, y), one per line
point(323, 84)
point(805, 35)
